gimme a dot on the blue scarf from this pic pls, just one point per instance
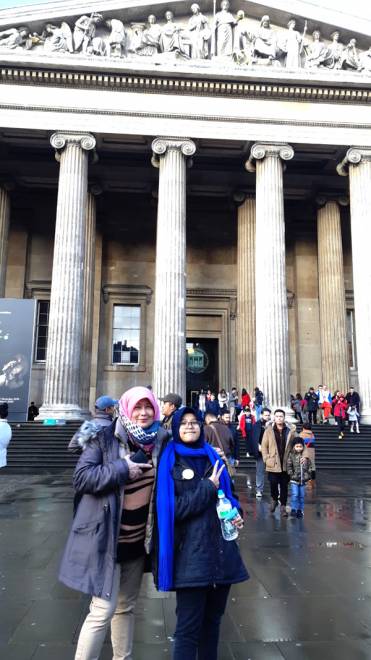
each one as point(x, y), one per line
point(165, 499)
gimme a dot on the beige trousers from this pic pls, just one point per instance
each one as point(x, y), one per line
point(119, 611)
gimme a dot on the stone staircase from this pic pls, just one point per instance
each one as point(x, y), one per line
point(351, 453)
point(36, 448)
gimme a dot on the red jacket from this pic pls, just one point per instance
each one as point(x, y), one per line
point(242, 425)
point(340, 408)
point(245, 400)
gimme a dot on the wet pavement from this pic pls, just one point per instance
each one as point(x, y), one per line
point(309, 596)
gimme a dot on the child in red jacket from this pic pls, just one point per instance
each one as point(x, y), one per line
point(340, 410)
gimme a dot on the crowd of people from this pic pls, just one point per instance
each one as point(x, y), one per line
point(317, 406)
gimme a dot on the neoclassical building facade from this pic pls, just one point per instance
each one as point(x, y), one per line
point(187, 196)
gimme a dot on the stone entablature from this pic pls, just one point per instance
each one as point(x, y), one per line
point(226, 38)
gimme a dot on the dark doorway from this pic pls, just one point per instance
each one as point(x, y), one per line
point(202, 367)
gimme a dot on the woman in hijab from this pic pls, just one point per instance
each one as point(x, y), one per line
point(192, 557)
point(105, 551)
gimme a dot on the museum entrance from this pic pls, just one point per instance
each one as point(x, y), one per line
point(202, 367)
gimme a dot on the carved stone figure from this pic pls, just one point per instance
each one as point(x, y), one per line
point(200, 34)
point(292, 45)
point(58, 39)
point(334, 52)
point(243, 40)
point(365, 61)
point(171, 37)
point(14, 38)
point(85, 30)
point(265, 42)
point(152, 36)
point(224, 24)
point(317, 52)
point(116, 43)
point(349, 57)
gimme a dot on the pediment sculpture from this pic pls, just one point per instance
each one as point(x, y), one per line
point(221, 37)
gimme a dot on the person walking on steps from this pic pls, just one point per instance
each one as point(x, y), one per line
point(353, 417)
point(340, 410)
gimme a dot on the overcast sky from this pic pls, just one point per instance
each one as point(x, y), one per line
point(356, 7)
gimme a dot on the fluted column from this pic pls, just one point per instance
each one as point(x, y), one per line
point(334, 350)
point(4, 232)
point(89, 273)
point(246, 335)
point(169, 361)
point(357, 163)
point(63, 360)
point(272, 341)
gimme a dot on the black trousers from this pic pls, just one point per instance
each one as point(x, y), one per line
point(199, 612)
point(312, 416)
point(341, 424)
point(279, 483)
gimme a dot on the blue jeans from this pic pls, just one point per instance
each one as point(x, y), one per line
point(199, 612)
point(258, 412)
point(260, 469)
point(297, 496)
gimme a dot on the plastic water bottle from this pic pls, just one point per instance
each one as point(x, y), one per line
point(226, 513)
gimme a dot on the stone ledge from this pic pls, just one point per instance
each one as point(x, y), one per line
point(194, 87)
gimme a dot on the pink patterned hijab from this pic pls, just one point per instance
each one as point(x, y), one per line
point(131, 397)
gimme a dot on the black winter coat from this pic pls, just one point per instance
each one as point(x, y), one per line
point(312, 400)
point(256, 438)
point(201, 556)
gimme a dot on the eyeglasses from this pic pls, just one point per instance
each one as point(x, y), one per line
point(189, 424)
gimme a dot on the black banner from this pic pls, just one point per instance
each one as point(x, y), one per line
point(17, 319)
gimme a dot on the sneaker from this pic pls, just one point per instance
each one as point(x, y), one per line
point(284, 511)
point(352, 430)
point(259, 493)
point(293, 513)
point(299, 514)
point(247, 455)
point(274, 505)
point(358, 431)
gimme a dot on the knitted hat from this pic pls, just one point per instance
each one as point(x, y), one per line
point(176, 399)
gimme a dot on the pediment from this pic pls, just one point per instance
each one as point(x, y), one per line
point(116, 34)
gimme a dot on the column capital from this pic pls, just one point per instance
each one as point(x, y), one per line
point(353, 156)
point(161, 145)
point(86, 141)
point(261, 150)
point(322, 198)
point(240, 196)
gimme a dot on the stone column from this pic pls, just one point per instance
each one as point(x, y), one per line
point(335, 370)
point(169, 361)
point(89, 275)
point(357, 163)
point(63, 360)
point(272, 342)
point(4, 232)
point(246, 335)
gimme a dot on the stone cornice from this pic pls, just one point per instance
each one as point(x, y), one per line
point(199, 86)
point(353, 156)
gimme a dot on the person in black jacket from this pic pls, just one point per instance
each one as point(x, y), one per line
point(256, 441)
point(312, 400)
point(191, 554)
